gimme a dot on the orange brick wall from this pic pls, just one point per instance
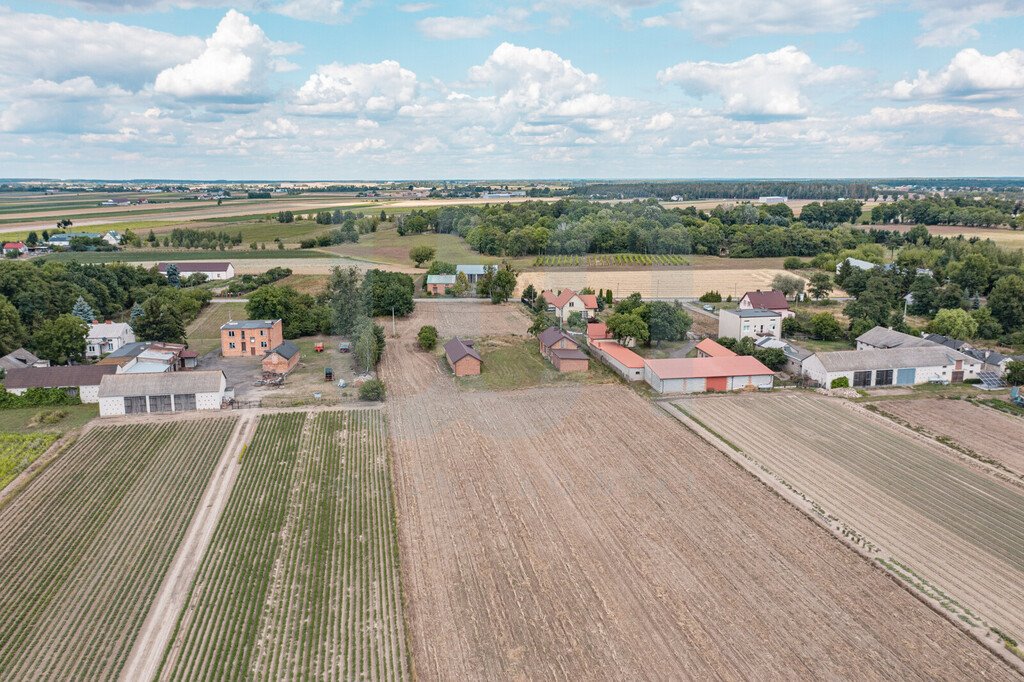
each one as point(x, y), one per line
point(275, 363)
point(570, 365)
point(466, 367)
point(253, 339)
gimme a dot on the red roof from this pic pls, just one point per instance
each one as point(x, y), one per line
point(597, 331)
point(697, 368)
point(769, 300)
point(620, 353)
point(10, 246)
point(713, 349)
point(559, 300)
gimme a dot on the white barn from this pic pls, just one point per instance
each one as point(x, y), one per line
point(891, 366)
point(213, 270)
point(167, 392)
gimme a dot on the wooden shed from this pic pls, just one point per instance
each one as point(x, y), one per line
point(462, 357)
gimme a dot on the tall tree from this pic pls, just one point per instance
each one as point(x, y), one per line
point(12, 331)
point(956, 323)
point(820, 285)
point(628, 326)
point(1007, 302)
point(160, 321)
point(83, 311)
point(173, 278)
point(346, 301)
point(667, 322)
point(60, 340)
point(421, 254)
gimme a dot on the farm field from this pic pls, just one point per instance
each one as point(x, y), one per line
point(301, 578)
point(577, 532)
point(604, 260)
point(959, 530)
point(990, 433)
point(87, 544)
point(514, 363)
point(203, 333)
point(387, 246)
point(1005, 237)
point(47, 419)
point(18, 450)
point(654, 283)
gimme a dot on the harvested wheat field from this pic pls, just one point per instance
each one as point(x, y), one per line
point(679, 282)
point(581, 533)
point(982, 430)
point(958, 529)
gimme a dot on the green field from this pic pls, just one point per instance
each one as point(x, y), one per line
point(47, 419)
point(609, 260)
point(513, 363)
point(18, 450)
point(204, 332)
point(387, 246)
point(301, 578)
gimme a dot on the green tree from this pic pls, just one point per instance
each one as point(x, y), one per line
point(1015, 373)
point(820, 285)
point(173, 278)
point(772, 358)
point(440, 267)
point(530, 293)
point(160, 321)
point(421, 254)
point(608, 300)
point(667, 322)
point(83, 311)
point(988, 326)
point(12, 331)
point(626, 326)
point(789, 285)
point(385, 293)
point(461, 285)
point(60, 340)
point(540, 305)
point(503, 284)
point(629, 304)
point(1007, 302)
point(826, 327)
point(345, 300)
point(367, 348)
point(135, 314)
point(427, 337)
point(956, 323)
point(575, 322)
point(373, 389)
point(542, 321)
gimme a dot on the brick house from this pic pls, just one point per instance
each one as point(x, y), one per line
point(462, 357)
point(250, 337)
point(282, 359)
point(438, 284)
point(562, 351)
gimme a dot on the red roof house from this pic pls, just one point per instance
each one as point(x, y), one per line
point(766, 300)
point(15, 246)
point(567, 301)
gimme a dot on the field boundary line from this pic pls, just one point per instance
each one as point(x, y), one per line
point(880, 558)
point(158, 627)
point(24, 479)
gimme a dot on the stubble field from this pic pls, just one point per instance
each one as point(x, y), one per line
point(580, 533)
point(958, 529)
point(679, 282)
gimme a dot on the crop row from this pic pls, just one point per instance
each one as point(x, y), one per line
point(596, 260)
point(18, 450)
point(86, 546)
point(301, 577)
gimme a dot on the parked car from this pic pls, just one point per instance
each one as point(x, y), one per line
point(708, 307)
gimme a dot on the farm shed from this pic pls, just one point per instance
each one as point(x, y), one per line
point(739, 324)
point(212, 270)
point(20, 358)
point(562, 351)
point(709, 348)
point(883, 337)
point(282, 359)
point(250, 337)
point(697, 375)
point(156, 355)
point(81, 380)
point(596, 331)
point(628, 364)
point(462, 357)
point(856, 263)
point(169, 392)
point(891, 366)
point(766, 300)
point(438, 284)
point(473, 272)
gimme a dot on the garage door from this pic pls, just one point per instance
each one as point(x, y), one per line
point(906, 377)
point(718, 383)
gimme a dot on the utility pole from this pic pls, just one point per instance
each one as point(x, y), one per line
point(394, 330)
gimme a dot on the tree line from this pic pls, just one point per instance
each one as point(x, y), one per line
point(961, 210)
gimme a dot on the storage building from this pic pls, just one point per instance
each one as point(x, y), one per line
point(80, 380)
point(709, 348)
point(462, 357)
point(562, 351)
point(891, 366)
point(213, 270)
point(282, 359)
point(698, 375)
point(169, 392)
point(628, 364)
point(438, 284)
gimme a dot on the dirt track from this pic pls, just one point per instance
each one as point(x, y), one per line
point(579, 533)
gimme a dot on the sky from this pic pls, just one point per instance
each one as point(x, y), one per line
point(374, 90)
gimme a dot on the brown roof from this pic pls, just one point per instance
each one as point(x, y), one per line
point(18, 358)
point(456, 349)
point(770, 300)
point(59, 376)
point(568, 353)
point(553, 335)
point(714, 349)
point(204, 266)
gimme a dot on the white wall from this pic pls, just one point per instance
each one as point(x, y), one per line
point(111, 407)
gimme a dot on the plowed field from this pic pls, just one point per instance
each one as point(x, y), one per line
point(959, 529)
point(580, 533)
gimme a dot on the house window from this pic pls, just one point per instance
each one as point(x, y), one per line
point(231, 345)
point(231, 333)
point(263, 333)
point(263, 344)
point(883, 377)
point(862, 378)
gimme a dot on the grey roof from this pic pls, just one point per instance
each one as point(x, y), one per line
point(569, 354)
point(883, 337)
point(249, 324)
point(552, 335)
point(456, 349)
point(165, 383)
point(203, 266)
point(948, 341)
point(440, 279)
point(286, 350)
point(890, 358)
point(989, 357)
point(57, 376)
point(130, 350)
point(861, 264)
point(754, 312)
point(473, 269)
point(18, 358)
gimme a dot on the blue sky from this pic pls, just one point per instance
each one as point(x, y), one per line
point(365, 89)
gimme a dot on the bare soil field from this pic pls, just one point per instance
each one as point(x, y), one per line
point(959, 530)
point(988, 432)
point(654, 283)
point(581, 533)
point(1003, 236)
point(86, 545)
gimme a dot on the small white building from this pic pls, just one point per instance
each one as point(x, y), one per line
point(754, 322)
point(216, 270)
point(167, 392)
point(891, 366)
point(856, 263)
point(106, 337)
point(625, 362)
point(773, 200)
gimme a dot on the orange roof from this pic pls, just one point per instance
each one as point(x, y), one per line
point(597, 331)
point(620, 353)
point(589, 300)
point(714, 349)
point(697, 368)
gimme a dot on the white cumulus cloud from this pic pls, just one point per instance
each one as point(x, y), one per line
point(379, 89)
point(722, 20)
point(532, 78)
point(970, 75)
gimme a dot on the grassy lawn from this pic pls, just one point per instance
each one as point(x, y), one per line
point(306, 284)
point(64, 418)
point(204, 332)
point(260, 229)
point(510, 363)
point(387, 246)
point(142, 255)
point(816, 346)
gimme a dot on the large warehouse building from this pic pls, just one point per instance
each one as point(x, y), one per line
point(166, 392)
point(891, 366)
point(698, 375)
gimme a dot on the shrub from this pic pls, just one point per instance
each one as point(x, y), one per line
point(840, 382)
point(427, 337)
point(711, 297)
point(794, 263)
point(37, 397)
point(372, 390)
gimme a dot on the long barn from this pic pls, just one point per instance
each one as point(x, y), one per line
point(167, 392)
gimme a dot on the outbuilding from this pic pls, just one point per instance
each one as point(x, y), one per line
point(891, 366)
point(438, 284)
point(80, 380)
point(462, 357)
point(282, 359)
point(625, 362)
point(562, 351)
point(168, 392)
point(698, 375)
point(219, 270)
point(709, 348)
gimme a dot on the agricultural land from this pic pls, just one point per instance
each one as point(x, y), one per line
point(541, 538)
point(950, 530)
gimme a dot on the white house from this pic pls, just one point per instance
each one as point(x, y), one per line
point(212, 269)
point(80, 380)
point(766, 300)
point(106, 337)
point(891, 366)
point(168, 392)
point(755, 322)
point(566, 302)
